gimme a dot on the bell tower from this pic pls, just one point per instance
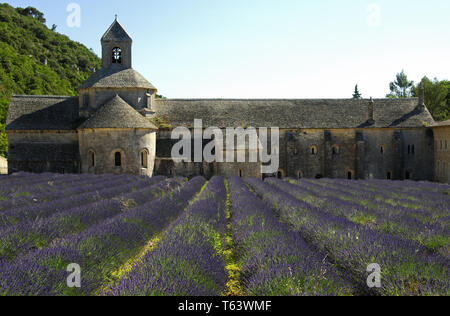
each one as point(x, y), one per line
point(116, 47)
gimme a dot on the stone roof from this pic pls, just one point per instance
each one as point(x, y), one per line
point(42, 113)
point(442, 124)
point(116, 33)
point(117, 113)
point(313, 113)
point(117, 76)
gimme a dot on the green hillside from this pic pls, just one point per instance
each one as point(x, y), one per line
point(37, 60)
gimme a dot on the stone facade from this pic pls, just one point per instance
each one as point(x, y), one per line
point(116, 125)
point(3, 166)
point(442, 152)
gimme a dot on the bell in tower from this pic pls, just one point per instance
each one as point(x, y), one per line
point(116, 47)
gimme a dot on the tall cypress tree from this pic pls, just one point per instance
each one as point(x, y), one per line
point(356, 94)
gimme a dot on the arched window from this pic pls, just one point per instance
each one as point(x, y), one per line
point(314, 150)
point(280, 174)
point(335, 150)
point(91, 157)
point(407, 175)
point(350, 175)
point(241, 173)
point(118, 159)
point(117, 55)
point(144, 159)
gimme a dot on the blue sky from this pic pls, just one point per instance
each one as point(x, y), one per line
point(269, 48)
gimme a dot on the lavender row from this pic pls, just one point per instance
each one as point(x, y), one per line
point(26, 236)
point(274, 260)
point(44, 210)
point(99, 250)
point(407, 268)
point(430, 229)
point(436, 216)
point(408, 196)
point(14, 185)
point(188, 262)
point(45, 192)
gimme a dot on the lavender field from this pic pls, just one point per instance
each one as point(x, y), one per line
point(134, 235)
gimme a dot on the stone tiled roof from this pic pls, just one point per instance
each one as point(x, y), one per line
point(313, 113)
point(116, 33)
point(117, 113)
point(116, 76)
point(442, 124)
point(42, 113)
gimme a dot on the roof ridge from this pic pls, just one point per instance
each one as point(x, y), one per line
point(23, 96)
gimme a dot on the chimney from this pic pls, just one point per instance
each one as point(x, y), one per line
point(421, 105)
point(370, 117)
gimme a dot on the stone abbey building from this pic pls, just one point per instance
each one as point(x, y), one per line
point(118, 125)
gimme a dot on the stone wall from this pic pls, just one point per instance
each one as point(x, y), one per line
point(43, 151)
point(442, 153)
point(3, 165)
point(105, 143)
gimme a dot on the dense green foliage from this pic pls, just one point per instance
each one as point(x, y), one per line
point(437, 97)
point(437, 94)
point(36, 60)
point(401, 87)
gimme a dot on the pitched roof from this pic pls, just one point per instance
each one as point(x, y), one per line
point(313, 113)
point(42, 113)
point(116, 76)
point(116, 33)
point(116, 113)
point(442, 124)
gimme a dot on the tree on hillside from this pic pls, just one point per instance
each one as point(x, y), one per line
point(401, 87)
point(437, 97)
point(356, 94)
point(33, 12)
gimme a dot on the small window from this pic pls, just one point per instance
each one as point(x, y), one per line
point(172, 172)
point(350, 175)
point(117, 55)
point(409, 149)
point(314, 150)
point(144, 159)
point(280, 174)
point(118, 159)
point(85, 100)
point(299, 175)
point(241, 173)
point(413, 149)
point(335, 150)
point(91, 159)
point(382, 149)
point(389, 175)
point(407, 175)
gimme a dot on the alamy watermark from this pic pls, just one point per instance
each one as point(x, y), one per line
point(374, 15)
point(74, 17)
point(242, 145)
point(374, 279)
point(74, 278)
